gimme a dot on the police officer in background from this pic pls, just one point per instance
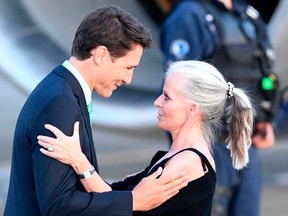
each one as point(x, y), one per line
point(231, 35)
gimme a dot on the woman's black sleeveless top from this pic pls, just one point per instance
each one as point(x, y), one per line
point(193, 200)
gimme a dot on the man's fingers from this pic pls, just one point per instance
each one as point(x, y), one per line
point(156, 174)
point(168, 196)
point(173, 183)
point(152, 191)
point(174, 187)
point(174, 178)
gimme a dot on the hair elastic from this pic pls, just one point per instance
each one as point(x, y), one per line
point(230, 89)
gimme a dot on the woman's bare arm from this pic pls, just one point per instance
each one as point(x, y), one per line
point(68, 150)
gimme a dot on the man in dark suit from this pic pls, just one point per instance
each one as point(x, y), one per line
point(106, 49)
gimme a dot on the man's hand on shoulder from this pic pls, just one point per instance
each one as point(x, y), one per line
point(152, 191)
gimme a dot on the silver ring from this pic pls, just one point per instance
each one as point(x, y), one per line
point(50, 148)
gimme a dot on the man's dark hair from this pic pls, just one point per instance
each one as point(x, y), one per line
point(109, 26)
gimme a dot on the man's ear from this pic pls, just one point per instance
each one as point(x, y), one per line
point(98, 54)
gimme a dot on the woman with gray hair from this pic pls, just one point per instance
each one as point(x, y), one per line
point(203, 85)
point(195, 99)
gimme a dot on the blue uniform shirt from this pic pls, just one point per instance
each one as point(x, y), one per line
point(189, 33)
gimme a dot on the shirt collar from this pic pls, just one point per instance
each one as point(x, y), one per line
point(81, 80)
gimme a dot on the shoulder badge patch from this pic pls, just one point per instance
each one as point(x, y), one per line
point(179, 48)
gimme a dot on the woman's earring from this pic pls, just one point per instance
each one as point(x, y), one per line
point(189, 117)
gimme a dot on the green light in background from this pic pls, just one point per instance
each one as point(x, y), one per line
point(267, 83)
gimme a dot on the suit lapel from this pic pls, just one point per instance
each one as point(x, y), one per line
point(79, 94)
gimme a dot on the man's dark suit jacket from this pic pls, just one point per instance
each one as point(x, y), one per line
point(40, 185)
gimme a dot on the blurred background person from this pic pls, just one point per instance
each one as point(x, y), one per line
point(232, 36)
